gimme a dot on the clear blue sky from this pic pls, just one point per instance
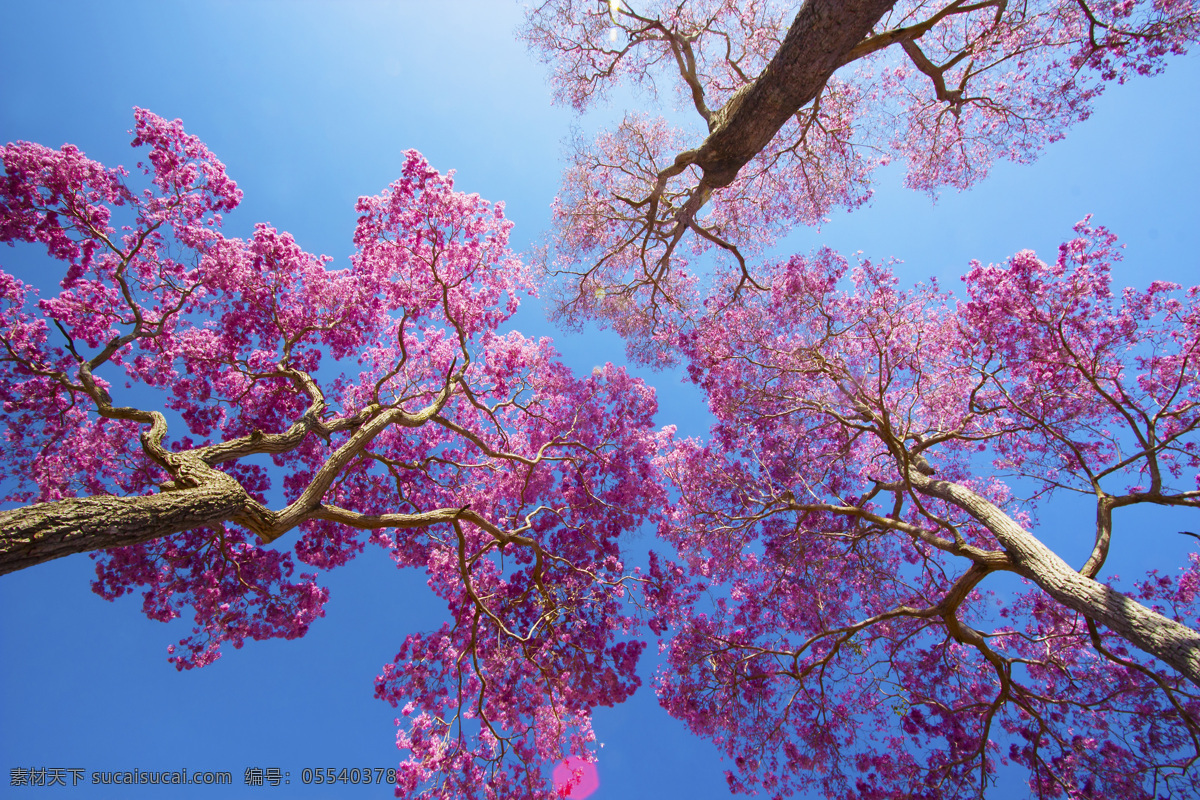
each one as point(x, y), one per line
point(310, 105)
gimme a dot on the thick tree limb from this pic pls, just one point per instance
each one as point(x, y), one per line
point(46, 531)
point(817, 43)
point(1175, 644)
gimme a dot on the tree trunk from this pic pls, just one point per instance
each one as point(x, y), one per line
point(823, 32)
point(46, 531)
point(1149, 631)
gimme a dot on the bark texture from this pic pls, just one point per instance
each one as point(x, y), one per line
point(1149, 631)
point(45, 531)
point(817, 43)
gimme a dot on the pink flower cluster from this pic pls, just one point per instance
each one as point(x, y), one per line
point(830, 630)
point(945, 87)
point(386, 408)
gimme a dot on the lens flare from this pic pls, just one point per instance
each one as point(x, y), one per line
point(576, 776)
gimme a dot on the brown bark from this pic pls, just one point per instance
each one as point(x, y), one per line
point(1149, 631)
point(200, 496)
point(45, 531)
point(817, 43)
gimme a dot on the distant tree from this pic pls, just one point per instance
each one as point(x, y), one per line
point(377, 405)
point(797, 104)
point(830, 628)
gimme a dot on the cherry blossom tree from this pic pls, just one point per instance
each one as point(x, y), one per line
point(189, 402)
point(879, 454)
point(787, 112)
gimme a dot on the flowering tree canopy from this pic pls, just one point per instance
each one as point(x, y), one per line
point(792, 110)
point(203, 414)
point(849, 510)
point(378, 404)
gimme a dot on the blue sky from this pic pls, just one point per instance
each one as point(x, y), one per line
point(312, 104)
